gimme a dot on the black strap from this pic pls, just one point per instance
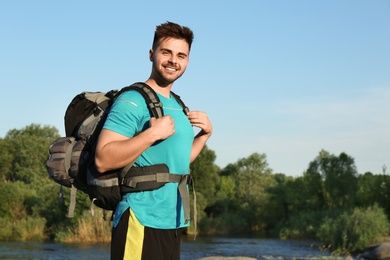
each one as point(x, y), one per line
point(156, 180)
point(151, 98)
point(178, 99)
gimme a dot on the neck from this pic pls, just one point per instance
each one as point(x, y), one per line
point(162, 89)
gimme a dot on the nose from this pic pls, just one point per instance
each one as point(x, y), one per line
point(172, 59)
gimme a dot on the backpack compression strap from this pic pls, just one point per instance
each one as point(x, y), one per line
point(147, 178)
point(157, 180)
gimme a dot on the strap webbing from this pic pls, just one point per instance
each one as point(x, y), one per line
point(151, 98)
point(181, 179)
point(72, 204)
point(153, 102)
point(178, 99)
point(68, 154)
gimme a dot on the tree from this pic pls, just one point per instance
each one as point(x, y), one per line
point(205, 175)
point(313, 189)
point(253, 179)
point(24, 153)
point(374, 189)
point(340, 178)
point(278, 203)
point(29, 195)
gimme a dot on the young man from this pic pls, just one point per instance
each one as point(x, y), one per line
point(147, 224)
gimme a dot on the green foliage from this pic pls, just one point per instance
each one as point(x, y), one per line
point(340, 178)
point(281, 195)
point(30, 208)
point(305, 223)
point(242, 193)
point(314, 191)
point(330, 202)
point(17, 221)
point(14, 197)
point(24, 229)
point(252, 179)
point(205, 175)
point(354, 230)
point(88, 229)
point(24, 153)
point(230, 223)
point(374, 189)
point(225, 188)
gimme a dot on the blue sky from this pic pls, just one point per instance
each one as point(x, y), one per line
point(285, 78)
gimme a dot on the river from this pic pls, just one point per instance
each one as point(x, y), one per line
point(203, 247)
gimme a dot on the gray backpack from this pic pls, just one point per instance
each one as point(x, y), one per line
point(71, 158)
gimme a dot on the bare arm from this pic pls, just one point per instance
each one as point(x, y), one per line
point(199, 119)
point(115, 151)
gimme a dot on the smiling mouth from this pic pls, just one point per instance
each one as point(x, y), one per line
point(171, 69)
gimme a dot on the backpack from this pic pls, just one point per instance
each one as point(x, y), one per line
point(71, 158)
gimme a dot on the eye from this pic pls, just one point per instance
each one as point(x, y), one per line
point(182, 56)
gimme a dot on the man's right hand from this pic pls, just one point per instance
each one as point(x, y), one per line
point(162, 128)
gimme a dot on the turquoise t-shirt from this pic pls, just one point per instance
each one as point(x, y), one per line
point(161, 208)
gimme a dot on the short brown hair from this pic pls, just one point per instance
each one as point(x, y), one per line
point(172, 30)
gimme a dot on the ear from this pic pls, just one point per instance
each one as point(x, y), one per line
point(151, 55)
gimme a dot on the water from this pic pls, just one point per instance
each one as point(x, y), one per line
point(251, 247)
point(203, 247)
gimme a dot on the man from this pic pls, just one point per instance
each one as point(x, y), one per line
point(147, 224)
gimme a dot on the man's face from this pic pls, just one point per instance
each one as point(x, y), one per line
point(170, 59)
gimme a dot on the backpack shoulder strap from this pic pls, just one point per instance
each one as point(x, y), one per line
point(178, 99)
point(151, 98)
point(153, 102)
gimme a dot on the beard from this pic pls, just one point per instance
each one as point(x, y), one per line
point(164, 77)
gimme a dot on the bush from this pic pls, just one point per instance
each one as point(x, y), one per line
point(354, 231)
point(89, 229)
point(229, 223)
point(303, 225)
point(26, 229)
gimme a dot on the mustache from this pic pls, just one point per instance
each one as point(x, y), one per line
point(171, 64)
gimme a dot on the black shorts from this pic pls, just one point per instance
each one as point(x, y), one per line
point(132, 241)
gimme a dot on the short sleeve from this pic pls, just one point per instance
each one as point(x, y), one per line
point(127, 114)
